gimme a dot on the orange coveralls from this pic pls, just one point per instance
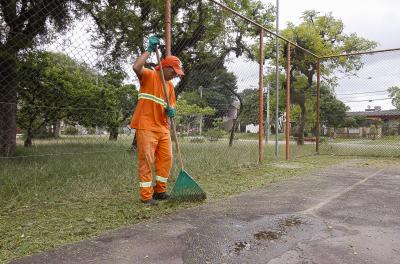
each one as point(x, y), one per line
point(152, 133)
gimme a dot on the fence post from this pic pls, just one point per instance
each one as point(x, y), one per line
point(261, 101)
point(288, 101)
point(318, 104)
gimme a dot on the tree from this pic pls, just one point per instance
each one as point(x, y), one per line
point(187, 113)
point(46, 89)
point(322, 35)
point(121, 100)
point(198, 30)
point(333, 111)
point(394, 92)
point(23, 23)
point(54, 87)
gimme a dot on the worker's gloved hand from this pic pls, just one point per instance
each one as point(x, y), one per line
point(171, 112)
point(154, 41)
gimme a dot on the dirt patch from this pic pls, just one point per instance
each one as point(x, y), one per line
point(267, 235)
point(291, 221)
point(239, 246)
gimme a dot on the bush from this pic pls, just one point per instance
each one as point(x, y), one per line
point(91, 130)
point(71, 130)
point(197, 140)
point(214, 134)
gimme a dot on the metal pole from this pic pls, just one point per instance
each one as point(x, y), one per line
point(261, 97)
point(201, 116)
point(288, 101)
point(277, 80)
point(267, 118)
point(318, 104)
point(358, 53)
point(168, 27)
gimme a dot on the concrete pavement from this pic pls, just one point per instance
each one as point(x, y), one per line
point(348, 213)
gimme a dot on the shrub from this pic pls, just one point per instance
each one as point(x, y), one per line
point(197, 140)
point(71, 130)
point(214, 134)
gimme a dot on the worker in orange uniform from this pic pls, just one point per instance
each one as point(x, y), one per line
point(150, 120)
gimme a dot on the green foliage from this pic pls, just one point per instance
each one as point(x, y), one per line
point(215, 133)
point(249, 112)
point(218, 88)
point(54, 87)
point(71, 130)
point(333, 111)
point(322, 35)
point(187, 114)
point(395, 94)
point(50, 89)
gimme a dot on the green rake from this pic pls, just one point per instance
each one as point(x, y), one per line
point(186, 188)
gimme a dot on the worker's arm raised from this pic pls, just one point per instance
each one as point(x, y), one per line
point(154, 41)
point(139, 64)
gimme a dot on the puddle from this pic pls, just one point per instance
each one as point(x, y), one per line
point(268, 235)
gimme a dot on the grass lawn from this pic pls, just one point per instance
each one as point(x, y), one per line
point(384, 147)
point(65, 191)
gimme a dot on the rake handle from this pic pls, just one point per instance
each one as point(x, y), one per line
point(167, 100)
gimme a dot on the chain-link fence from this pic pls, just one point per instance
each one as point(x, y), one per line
point(73, 92)
point(366, 120)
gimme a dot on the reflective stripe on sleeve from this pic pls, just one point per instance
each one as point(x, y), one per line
point(152, 98)
point(161, 179)
point(145, 184)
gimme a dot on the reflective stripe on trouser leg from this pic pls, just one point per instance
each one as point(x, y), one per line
point(163, 162)
point(146, 142)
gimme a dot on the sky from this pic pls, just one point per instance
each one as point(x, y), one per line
point(371, 19)
point(374, 20)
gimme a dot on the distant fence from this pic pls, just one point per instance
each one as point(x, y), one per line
point(371, 126)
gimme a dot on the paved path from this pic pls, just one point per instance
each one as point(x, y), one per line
point(345, 214)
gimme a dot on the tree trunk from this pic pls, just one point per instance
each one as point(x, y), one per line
point(113, 134)
point(28, 140)
point(8, 102)
point(56, 129)
point(300, 128)
point(232, 132)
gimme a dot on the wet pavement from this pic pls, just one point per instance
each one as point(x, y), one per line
point(344, 214)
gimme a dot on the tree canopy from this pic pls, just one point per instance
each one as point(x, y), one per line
point(394, 92)
point(199, 31)
point(322, 35)
point(54, 87)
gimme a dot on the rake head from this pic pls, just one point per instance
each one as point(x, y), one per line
point(187, 189)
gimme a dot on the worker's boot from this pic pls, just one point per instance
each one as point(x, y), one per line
point(160, 196)
point(150, 202)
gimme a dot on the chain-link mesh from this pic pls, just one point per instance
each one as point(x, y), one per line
point(366, 120)
point(72, 91)
point(70, 95)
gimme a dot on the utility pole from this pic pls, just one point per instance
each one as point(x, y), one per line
point(201, 115)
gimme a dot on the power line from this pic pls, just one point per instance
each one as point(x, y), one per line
point(369, 100)
point(372, 92)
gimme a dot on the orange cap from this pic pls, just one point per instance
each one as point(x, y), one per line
point(174, 62)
